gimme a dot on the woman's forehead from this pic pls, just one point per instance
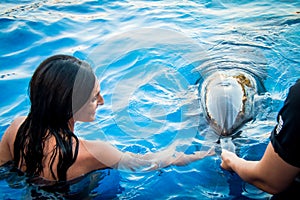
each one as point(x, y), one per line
point(96, 87)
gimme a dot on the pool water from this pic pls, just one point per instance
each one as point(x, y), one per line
point(150, 57)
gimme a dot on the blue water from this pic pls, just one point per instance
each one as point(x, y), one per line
point(150, 57)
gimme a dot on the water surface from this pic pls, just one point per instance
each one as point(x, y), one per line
point(150, 57)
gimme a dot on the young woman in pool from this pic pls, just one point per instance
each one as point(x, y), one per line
point(64, 90)
point(278, 171)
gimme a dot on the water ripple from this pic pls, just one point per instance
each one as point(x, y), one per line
point(150, 57)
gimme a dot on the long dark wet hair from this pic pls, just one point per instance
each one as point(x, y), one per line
point(59, 87)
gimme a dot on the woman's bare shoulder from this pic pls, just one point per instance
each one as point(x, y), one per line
point(12, 130)
point(19, 120)
point(15, 125)
point(7, 141)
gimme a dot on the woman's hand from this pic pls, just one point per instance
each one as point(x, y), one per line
point(181, 159)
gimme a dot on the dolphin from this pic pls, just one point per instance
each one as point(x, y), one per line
point(227, 98)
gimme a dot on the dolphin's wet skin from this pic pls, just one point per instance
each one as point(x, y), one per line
point(227, 98)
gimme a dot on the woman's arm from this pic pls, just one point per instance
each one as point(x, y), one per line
point(110, 156)
point(271, 173)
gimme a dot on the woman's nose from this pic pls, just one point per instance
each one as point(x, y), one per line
point(100, 100)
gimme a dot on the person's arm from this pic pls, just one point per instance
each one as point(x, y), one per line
point(110, 156)
point(271, 174)
point(161, 159)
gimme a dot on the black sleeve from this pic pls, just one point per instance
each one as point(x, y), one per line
point(285, 137)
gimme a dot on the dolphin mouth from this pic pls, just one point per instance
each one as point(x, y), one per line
point(227, 99)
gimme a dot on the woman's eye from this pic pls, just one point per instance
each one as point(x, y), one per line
point(94, 99)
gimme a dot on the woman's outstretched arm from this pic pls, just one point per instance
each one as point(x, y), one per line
point(110, 156)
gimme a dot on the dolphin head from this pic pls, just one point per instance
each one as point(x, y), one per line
point(228, 99)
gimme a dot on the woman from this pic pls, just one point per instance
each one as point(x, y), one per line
point(278, 170)
point(64, 90)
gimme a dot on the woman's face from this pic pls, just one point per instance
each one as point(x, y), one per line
point(87, 112)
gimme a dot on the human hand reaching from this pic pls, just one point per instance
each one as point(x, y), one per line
point(227, 158)
point(181, 159)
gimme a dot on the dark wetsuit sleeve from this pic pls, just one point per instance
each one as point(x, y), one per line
point(285, 137)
